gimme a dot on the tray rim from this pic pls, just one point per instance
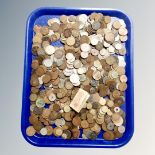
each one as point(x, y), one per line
point(131, 74)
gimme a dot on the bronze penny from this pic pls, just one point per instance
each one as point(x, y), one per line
point(76, 121)
point(84, 124)
point(68, 116)
point(56, 107)
point(108, 135)
point(46, 78)
point(67, 33)
point(35, 64)
point(75, 133)
point(33, 119)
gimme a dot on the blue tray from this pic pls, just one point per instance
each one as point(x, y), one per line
point(40, 16)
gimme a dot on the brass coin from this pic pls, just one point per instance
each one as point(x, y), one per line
point(30, 131)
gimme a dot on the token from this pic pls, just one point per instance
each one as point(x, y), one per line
point(49, 49)
point(30, 131)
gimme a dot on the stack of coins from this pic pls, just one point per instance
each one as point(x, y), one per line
point(78, 89)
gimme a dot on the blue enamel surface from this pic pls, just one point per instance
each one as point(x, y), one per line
point(40, 17)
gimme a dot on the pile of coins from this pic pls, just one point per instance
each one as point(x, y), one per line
point(77, 89)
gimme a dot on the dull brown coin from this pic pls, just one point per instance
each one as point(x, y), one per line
point(33, 119)
point(108, 135)
point(35, 64)
point(76, 121)
point(54, 74)
point(84, 124)
point(56, 107)
point(103, 90)
point(46, 78)
point(75, 133)
point(68, 116)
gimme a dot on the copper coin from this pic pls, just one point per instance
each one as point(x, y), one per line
point(56, 107)
point(76, 121)
point(75, 133)
point(108, 135)
point(84, 124)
